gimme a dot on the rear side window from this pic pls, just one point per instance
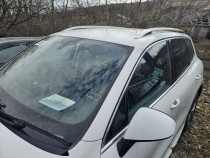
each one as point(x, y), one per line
point(190, 49)
point(180, 56)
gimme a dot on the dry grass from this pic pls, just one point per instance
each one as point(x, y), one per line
point(203, 49)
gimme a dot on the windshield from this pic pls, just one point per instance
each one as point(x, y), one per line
point(59, 83)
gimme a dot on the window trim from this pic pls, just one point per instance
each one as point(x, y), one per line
point(171, 61)
point(189, 50)
point(188, 53)
point(104, 147)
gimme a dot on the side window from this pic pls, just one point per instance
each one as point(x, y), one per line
point(10, 52)
point(190, 49)
point(150, 79)
point(180, 56)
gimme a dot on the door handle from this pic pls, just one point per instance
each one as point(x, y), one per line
point(175, 104)
point(198, 77)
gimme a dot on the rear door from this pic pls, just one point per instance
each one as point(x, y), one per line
point(184, 88)
point(196, 64)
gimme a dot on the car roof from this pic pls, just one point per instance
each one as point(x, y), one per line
point(121, 35)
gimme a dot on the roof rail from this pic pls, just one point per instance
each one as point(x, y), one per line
point(90, 27)
point(160, 29)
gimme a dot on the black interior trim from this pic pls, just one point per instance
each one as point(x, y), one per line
point(124, 145)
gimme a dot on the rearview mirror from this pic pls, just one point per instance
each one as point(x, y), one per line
point(146, 125)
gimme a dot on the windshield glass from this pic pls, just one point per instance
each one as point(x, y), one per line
point(59, 83)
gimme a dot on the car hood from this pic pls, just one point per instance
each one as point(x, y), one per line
point(12, 146)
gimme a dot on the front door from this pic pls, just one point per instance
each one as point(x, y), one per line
point(148, 87)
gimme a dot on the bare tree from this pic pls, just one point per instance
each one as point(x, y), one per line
point(15, 12)
point(42, 17)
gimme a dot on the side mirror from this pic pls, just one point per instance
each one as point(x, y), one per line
point(146, 125)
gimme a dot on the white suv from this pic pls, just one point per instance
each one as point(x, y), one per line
point(94, 92)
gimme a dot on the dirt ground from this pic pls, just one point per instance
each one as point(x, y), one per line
point(195, 142)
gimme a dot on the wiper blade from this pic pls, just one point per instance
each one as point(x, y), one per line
point(51, 143)
point(2, 105)
point(18, 125)
point(2, 64)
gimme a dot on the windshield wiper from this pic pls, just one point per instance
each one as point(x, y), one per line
point(2, 105)
point(49, 142)
point(18, 125)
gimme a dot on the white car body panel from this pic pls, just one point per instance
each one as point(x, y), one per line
point(16, 147)
point(12, 146)
point(90, 145)
point(157, 127)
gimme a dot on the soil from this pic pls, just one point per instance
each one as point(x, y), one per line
point(195, 142)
